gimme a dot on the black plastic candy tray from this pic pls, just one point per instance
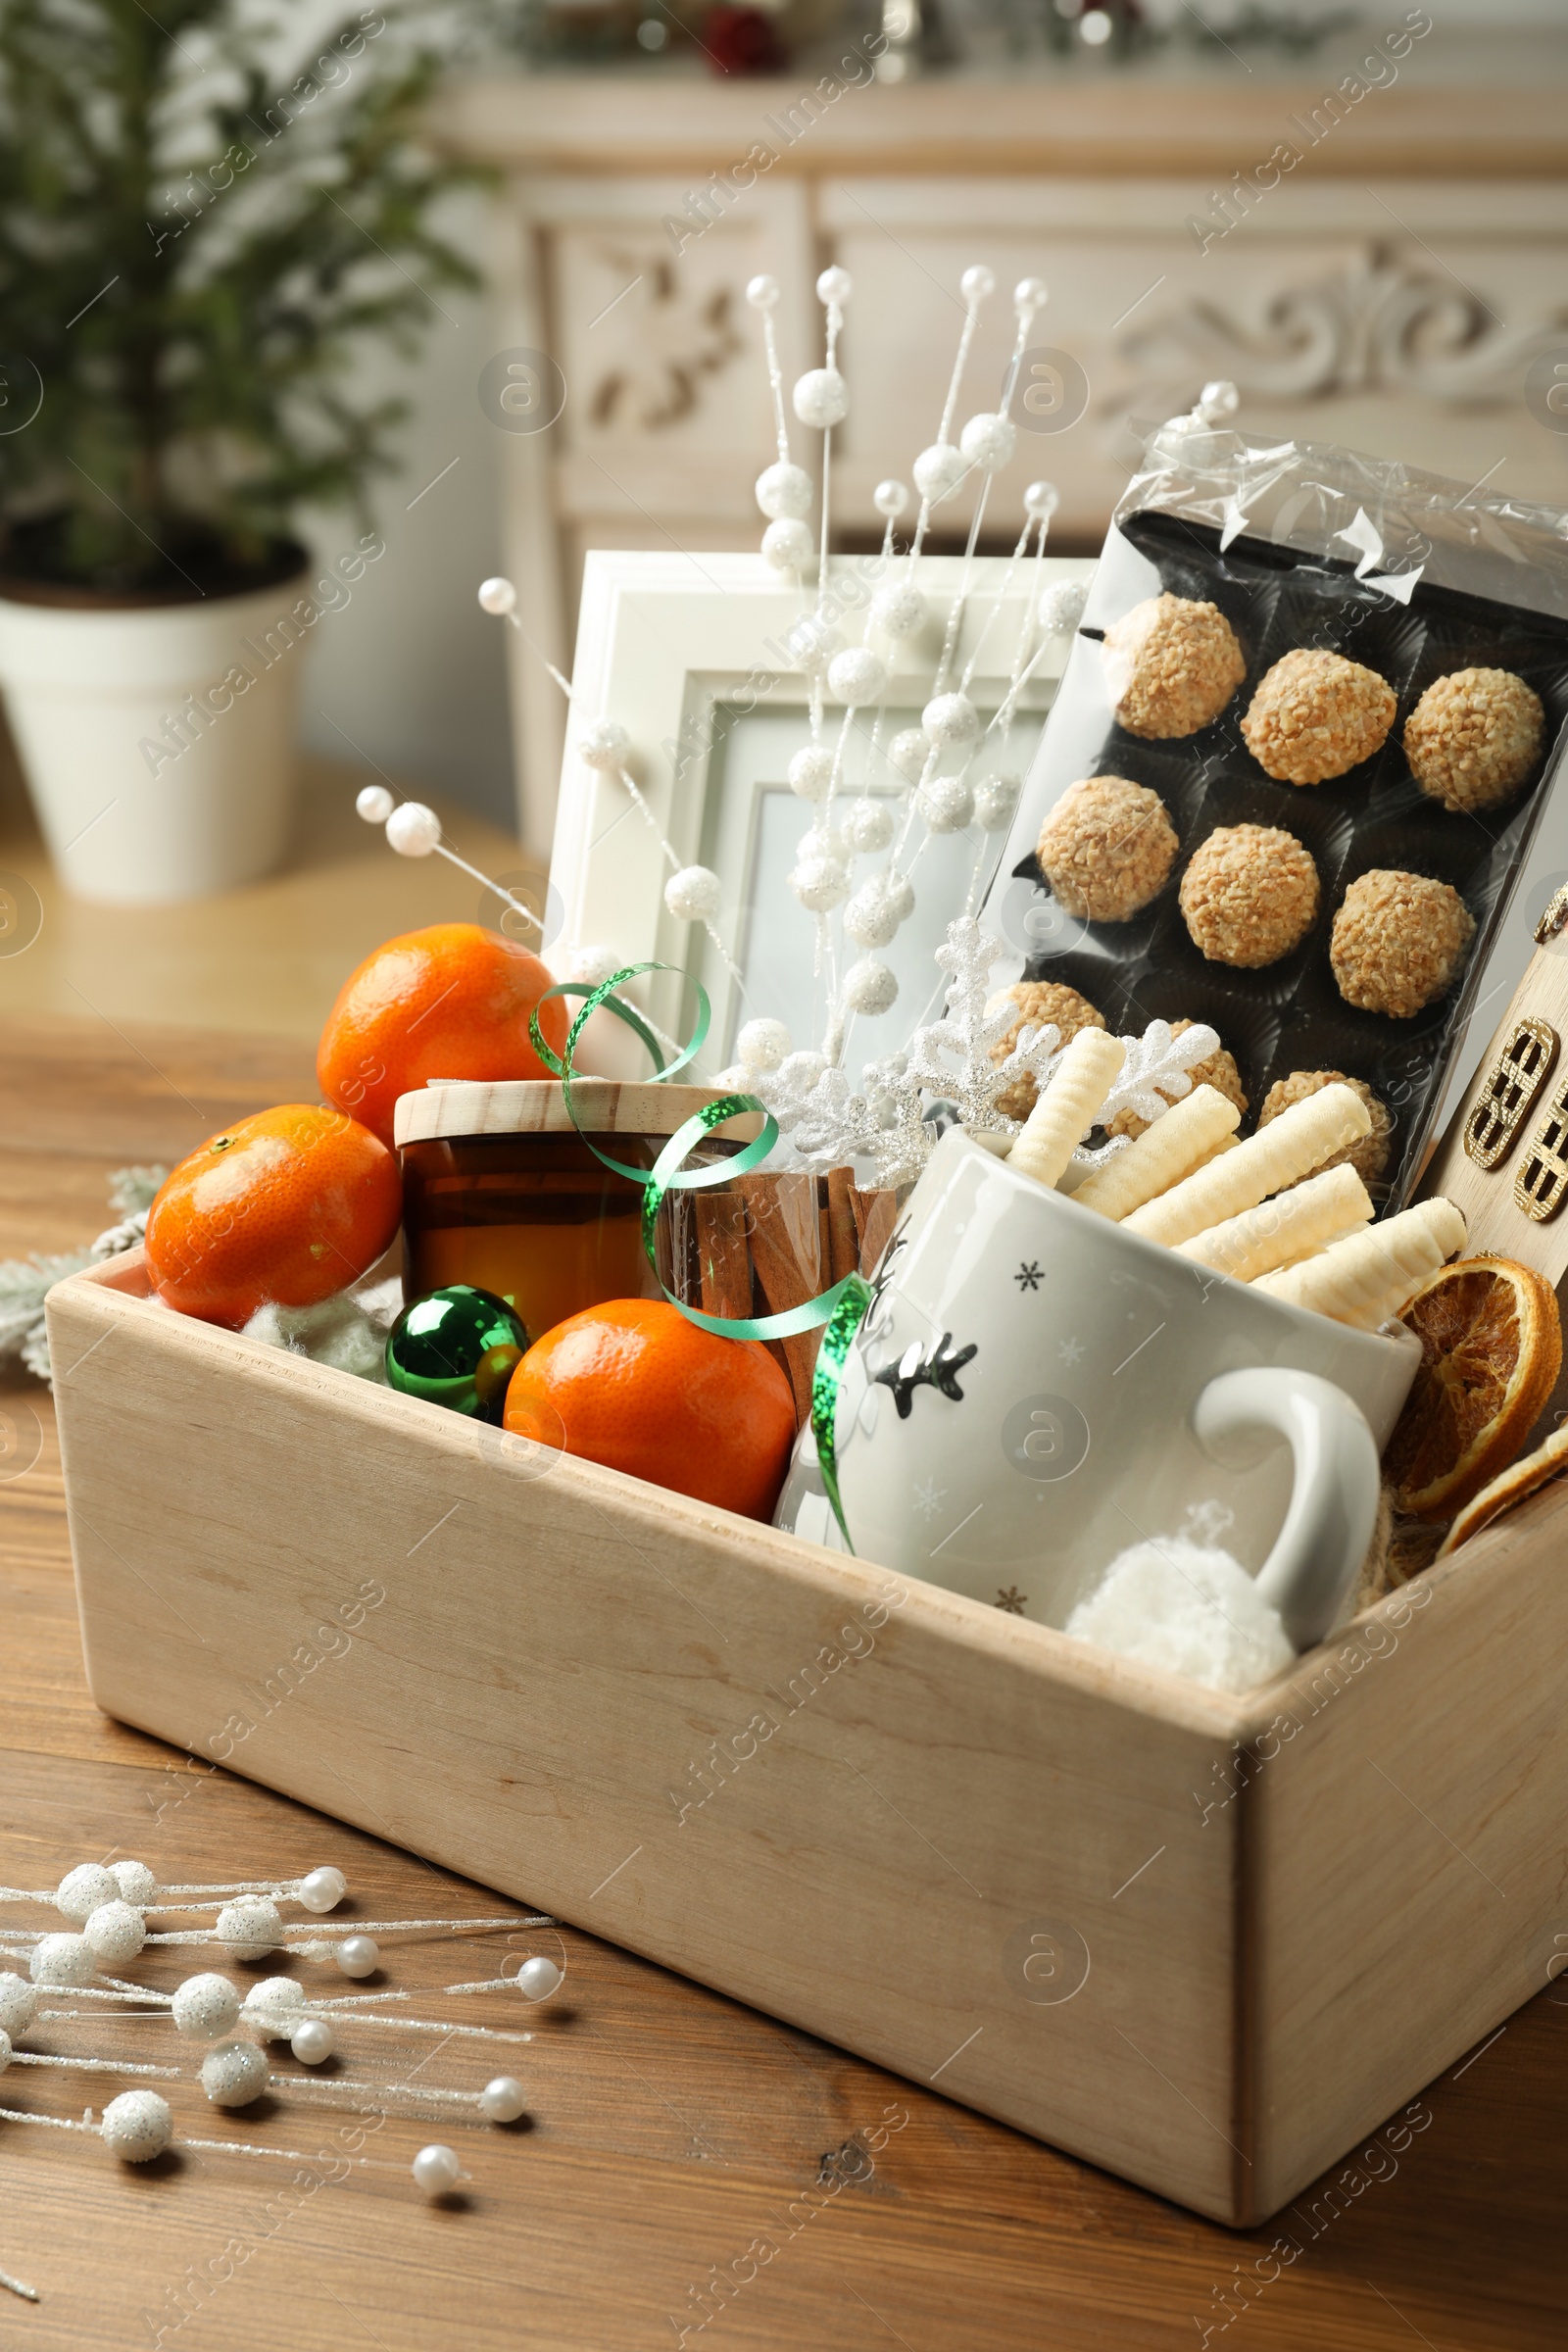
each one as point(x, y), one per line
point(1290, 1015)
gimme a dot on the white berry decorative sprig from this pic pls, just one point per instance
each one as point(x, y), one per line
point(855, 868)
point(875, 799)
point(693, 893)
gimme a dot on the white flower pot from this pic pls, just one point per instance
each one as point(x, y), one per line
point(159, 741)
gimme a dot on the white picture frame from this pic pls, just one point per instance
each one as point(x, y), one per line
point(679, 649)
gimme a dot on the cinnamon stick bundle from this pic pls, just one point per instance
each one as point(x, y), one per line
point(804, 1234)
point(764, 1244)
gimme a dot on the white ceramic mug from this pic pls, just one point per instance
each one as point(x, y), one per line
point(1035, 1390)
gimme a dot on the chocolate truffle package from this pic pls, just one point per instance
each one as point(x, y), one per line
point(1303, 777)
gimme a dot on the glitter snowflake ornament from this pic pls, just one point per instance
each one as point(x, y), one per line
point(902, 1139)
point(952, 1056)
point(1158, 1070)
point(787, 1088)
point(831, 1123)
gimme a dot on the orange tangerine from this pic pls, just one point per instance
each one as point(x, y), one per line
point(634, 1384)
point(289, 1205)
point(450, 1002)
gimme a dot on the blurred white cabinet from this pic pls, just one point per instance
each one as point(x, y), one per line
point(1390, 294)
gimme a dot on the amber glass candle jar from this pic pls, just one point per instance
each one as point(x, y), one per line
point(500, 1191)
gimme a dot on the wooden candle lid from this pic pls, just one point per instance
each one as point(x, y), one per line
point(462, 1107)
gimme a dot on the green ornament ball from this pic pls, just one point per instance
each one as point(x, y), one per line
point(457, 1346)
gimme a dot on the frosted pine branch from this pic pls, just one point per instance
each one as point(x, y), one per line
point(26, 1282)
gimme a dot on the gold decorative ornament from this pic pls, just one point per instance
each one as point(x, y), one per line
point(1554, 917)
point(1541, 1183)
point(1520, 1067)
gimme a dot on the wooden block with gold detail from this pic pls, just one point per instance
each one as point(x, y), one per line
point(1523, 1058)
point(1503, 1160)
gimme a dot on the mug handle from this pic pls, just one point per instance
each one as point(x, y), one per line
point(1334, 1500)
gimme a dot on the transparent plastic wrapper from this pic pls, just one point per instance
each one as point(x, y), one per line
point(1414, 577)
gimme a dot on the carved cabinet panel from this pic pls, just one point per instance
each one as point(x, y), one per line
point(1403, 319)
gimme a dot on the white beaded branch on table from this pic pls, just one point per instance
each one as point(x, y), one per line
point(110, 1905)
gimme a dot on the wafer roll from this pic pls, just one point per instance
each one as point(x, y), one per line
point(1303, 1219)
point(1187, 1136)
point(1299, 1257)
point(1068, 1108)
point(1278, 1155)
point(1369, 1278)
point(1445, 1224)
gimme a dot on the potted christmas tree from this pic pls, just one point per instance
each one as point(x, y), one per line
point(195, 236)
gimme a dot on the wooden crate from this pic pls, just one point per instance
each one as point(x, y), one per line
point(1207, 1943)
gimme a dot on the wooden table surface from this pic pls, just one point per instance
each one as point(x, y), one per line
point(667, 2127)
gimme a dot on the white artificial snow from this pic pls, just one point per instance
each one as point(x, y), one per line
point(347, 1331)
point(1190, 1608)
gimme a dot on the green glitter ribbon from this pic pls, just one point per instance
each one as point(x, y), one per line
point(851, 1298)
point(842, 1308)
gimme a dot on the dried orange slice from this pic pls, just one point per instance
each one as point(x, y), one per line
point(1491, 1352)
point(1513, 1487)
